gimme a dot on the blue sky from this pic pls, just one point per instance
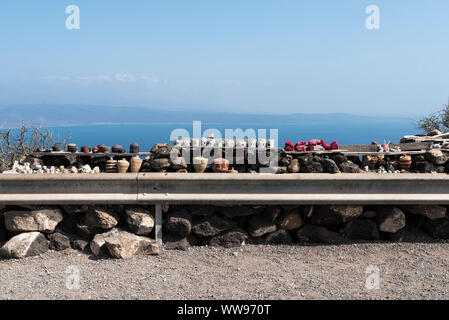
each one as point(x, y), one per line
point(244, 56)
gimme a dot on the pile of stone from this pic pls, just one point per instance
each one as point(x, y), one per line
point(233, 226)
point(125, 232)
point(32, 165)
point(432, 161)
point(115, 231)
point(164, 158)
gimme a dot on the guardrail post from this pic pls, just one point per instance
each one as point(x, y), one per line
point(158, 226)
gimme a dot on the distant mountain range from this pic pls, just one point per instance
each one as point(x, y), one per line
point(72, 115)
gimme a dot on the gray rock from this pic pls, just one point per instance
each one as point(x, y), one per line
point(228, 239)
point(211, 226)
point(318, 234)
point(285, 160)
point(374, 161)
point(271, 213)
point(70, 222)
point(260, 225)
point(161, 150)
point(290, 220)
point(278, 237)
point(59, 242)
point(293, 167)
point(279, 169)
point(98, 243)
point(310, 164)
point(3, 232)
point(125, 245)
point(330, 166)
point(339, 158)
point(75, 209)
point(80, 245)
point(173, 241)
point(438, 229)
point(31, 161)
point(398, 236)
point(335, 215)
point(369, 214)
point(313, 167)
point(436, 156)
point(159, 164)
point(361, 229)
point(426, 166)
point(44, 219)
point(349, 167)
point(24, 245)
point(178, 163)
point(239, 211)
point(86, 231)
point(302, 237)
point(180, 222)
point(390, 219)
point(198, 210)
point(140, 221)
point(101, 217)
point(429, 211)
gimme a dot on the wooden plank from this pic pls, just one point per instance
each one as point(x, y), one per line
point(83, 154)
point(353, 150)
point(413, 146)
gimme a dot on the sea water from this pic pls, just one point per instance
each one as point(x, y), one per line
point(146, 135)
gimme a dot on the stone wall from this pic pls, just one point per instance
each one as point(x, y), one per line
point(124, 231)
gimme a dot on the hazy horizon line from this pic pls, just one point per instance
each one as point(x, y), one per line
point(383, 115)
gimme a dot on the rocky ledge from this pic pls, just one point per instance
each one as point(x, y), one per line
point(124, 232)
point(166, 158)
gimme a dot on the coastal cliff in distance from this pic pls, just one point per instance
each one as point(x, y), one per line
point(71, 115)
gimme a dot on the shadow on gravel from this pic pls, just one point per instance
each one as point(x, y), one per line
point(410, 234)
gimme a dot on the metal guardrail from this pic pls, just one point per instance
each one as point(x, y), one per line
point(218, 188)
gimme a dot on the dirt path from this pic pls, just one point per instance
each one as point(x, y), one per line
point(406, 271)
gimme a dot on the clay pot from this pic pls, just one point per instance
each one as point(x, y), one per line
point(136, 164)
point(200, 164)
point(134, 148)
point(72, 147)
point(85, 149)
point(220, 165)
point(57, 147)
point(111, 166)
point(405, 162)
point(122, 166)
point(103, 148)
point(117, 149)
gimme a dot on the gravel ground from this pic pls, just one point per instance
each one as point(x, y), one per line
point(408, 270)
